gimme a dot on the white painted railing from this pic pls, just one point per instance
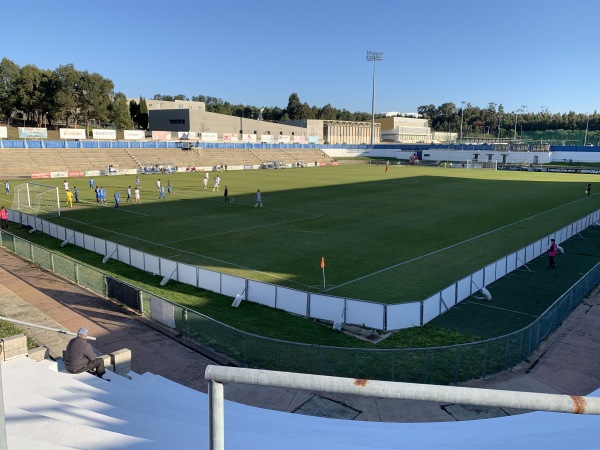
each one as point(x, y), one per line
point(217, 375)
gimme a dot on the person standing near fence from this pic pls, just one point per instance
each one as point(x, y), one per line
point(552, 249)
point(4, 218)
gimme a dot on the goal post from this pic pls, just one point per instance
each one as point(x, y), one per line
point(474, 164)
point(37, 199)
point(112, 169)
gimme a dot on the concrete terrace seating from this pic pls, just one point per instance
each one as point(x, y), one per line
point(21, 162)
point(48, 409)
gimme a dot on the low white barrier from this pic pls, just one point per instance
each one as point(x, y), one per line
point(317, 306)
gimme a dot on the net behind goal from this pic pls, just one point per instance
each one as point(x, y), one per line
point(37, 199)
point(472, 164)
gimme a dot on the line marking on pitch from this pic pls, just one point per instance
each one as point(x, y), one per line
point(448, 247)
point(501, 309)
point(268, 274)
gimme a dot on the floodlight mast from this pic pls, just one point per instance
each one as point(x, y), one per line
point(373, 56)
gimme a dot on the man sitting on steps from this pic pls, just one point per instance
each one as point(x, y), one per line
point(80, 357)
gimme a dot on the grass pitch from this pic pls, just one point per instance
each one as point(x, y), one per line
point(387, 237)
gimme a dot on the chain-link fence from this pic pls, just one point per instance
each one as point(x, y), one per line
point(435, 365)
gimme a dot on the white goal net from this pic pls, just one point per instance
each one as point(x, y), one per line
point(37, 199)
point(474, 164)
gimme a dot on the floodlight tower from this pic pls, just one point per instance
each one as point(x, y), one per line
point(373, 56)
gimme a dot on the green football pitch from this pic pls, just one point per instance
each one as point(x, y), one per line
point(387, 237)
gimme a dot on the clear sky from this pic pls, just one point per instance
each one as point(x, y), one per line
point(537, 53)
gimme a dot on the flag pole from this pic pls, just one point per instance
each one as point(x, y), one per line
point(323, 267)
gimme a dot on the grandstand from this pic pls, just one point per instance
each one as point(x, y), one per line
point(22, 162)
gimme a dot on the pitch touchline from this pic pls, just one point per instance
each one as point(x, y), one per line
point(193, 254)
point(502, 309)
point(446, 248)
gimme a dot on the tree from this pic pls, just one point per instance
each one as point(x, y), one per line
point(120, 112)
point(327, 112)
point(65, 92)
point(294, 108)
point(95, 95)
point(143, 114)
point(32, 91)
point(9, 73)
point(134, 111)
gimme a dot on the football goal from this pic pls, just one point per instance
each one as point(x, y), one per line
point(37, 199)
point(113, 169)
point(474, 164)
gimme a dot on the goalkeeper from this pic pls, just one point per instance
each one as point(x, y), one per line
point(69, 199)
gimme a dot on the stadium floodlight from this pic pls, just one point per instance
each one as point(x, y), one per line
point(373, 56)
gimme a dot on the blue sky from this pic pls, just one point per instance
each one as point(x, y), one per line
point(529, 52)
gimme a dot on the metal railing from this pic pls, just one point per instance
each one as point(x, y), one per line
point(433, 365)
point(217, 375)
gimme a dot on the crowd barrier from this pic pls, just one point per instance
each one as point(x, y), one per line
point(435, 365)
point(311, 305)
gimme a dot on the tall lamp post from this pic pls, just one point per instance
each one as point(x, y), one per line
point(520, 110)
point(499, 125)
point(587, 122)
point(462, 110)
point(373, 56)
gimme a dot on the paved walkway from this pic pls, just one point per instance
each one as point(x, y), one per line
point(568, 362)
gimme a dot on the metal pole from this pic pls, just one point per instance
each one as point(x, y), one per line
point(462, 110)
point(573, 404)
point(216, 416)
point(586, 130)
point(373, 56)
point(7, 319)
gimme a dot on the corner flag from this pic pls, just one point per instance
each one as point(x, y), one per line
point(323, 267)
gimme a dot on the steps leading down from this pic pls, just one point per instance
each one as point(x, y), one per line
point(48, 409)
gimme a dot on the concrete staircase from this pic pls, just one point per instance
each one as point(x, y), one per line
point(46, 408)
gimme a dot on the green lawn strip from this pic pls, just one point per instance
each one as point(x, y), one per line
point(8, 329)
point(250, 317)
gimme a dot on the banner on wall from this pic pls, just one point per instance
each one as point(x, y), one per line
point(92, 173)
point(283, 139)
point(266, 138)
point(134, 135)
point(40, 174)
point(313, 139)
point(299, 139)
point(40, 133)
point(71, 133)
point(59, 174)
point(187, 135)
point(76, 173)
point(209, 137)
point(104, 134)
point(161, 135)
point(230, 137)
point(247, 137)
point(3, 132)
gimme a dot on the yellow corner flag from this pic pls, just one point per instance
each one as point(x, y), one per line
point(322, 262)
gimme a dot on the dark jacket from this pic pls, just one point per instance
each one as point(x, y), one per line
point(78, 354)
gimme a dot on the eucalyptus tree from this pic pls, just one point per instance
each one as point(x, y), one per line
point(9, 73)
point(94, 96)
